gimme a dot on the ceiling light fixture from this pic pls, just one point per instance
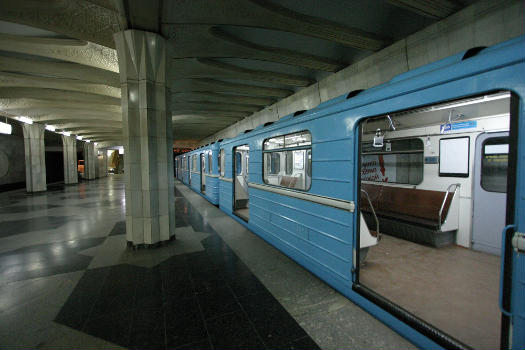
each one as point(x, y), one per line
point(25, 119)
point(65, 133)
point(6, 128)
point(79, 137)
point(50, 128)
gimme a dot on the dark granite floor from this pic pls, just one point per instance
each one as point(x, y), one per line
point(67, 280)
point(201, 300)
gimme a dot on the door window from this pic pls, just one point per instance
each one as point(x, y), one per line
point(494, 164)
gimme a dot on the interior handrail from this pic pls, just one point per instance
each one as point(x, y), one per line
point(373, 212)
point(456, 186)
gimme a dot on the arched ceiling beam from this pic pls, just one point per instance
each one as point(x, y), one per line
point(212, 85)
point(435, 9)
point(213, 106)
point(212, 42)
point(95, 22)
point(99, 135)
point(23, 80)
point(266, 14)
point(38, 106)
point(221, 98)
point(58, 117)
point(56, 95)
point(74, 125)
point(59, 70)
point(210, 112)
point(207, 68)
point(70, 50)
point(83, 121)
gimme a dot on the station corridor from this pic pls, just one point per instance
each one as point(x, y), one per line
point(68, 280)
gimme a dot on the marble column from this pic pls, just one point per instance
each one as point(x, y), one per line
point(103, 164)
point(35, 153)
point(148, 138)
point(69, 144)
point(89, 161)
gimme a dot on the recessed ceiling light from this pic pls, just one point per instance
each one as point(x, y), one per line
point(25, 120)
point(6, 128)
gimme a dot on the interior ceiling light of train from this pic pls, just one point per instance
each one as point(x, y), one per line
point(443, 114)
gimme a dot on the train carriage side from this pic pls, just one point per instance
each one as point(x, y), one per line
point(204, 172)
point(194, 173)
point(212, 173)
point(185, 168)
point(306, 199)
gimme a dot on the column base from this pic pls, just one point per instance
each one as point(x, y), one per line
point(131, 245)
point(36, 192)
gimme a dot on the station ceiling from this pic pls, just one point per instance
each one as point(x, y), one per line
point(227, 58)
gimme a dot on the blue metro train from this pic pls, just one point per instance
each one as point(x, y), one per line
point(425, 174)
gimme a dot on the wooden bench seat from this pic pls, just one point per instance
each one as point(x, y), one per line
point(288, 181)
point(408, 213)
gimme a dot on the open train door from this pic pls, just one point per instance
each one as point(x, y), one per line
point(457, 297)
point(241, 197)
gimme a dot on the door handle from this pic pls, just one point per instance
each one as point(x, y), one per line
point(502, 271)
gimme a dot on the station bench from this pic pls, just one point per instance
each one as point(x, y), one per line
point(408, 213)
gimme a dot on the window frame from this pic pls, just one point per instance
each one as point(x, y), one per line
point(422, 151)
point(285, 150)
point(481, 176)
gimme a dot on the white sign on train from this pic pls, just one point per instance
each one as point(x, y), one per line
point(451, 127)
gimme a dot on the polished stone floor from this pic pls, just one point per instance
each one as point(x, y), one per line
point(68, 280)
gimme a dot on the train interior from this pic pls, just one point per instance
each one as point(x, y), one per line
point(433, 189)
point(241, 200)
point(288, 161)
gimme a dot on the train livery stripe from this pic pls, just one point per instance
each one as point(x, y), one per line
point(211, 175)
point(331, 202)
point(225, 179)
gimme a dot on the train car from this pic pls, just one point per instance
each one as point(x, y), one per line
point(425, 175)
point(185, 169)
point(205, 171)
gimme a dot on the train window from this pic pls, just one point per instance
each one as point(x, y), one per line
point(287, 160)
point(194, 162)
point(209, 162)
point(238, 163)
point(398, 161)
point(222, 160)
point(494, 164)
point(289, 163)
point(273, 163)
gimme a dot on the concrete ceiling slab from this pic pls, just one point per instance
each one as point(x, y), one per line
point(228, 59)
point(213, 85)
point(208, 68)
point(219, 97)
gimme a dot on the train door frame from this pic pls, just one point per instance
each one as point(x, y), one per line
point(202, 160)
point(423, 327)
point(244, 164)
